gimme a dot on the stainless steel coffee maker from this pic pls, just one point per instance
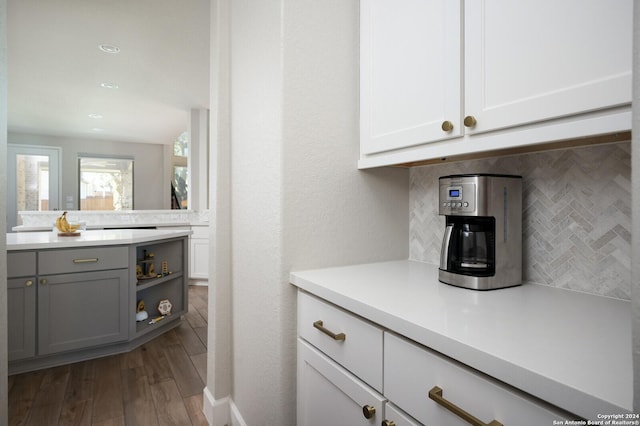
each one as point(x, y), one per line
point(482, 244)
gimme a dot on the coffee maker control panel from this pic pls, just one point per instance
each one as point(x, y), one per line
point(457, 199)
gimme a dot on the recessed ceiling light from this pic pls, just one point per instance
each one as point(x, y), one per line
point(109, 48)
point(95, 115)
point(97, 129)
point(109, 85)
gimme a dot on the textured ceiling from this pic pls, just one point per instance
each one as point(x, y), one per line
point(55, 67)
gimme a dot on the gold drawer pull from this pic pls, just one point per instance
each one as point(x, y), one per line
point(388, 423)
point(92, 260)
point(436, 395)
point(334, 336)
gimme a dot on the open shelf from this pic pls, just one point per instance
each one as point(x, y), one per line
point(144, 326)
point(152, 291)
point(155, 281)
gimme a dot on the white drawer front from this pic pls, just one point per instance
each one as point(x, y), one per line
point(411, 371)
point(361, 350)
point(396, 417)
point(82, 260)
point(330, 395)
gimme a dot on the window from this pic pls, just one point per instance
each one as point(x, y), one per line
point(33, 182)
point(180, 182)
point(33, 177)
point(105, 183)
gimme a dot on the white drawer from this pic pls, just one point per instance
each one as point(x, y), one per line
point(330, 395)
point(82, 260)
point(396, 417)
point(361, 350)
point(412, 371)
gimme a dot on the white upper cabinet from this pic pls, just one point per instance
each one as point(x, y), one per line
point(528, 61)
point(442, 78)
point(410, 72)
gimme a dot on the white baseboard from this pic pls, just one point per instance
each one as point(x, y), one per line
point(236, 417)
point(221, 412)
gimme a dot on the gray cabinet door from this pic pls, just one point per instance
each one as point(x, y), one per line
point(81, 310)
point(21, 317)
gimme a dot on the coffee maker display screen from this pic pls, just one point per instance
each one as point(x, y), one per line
point(454, 193)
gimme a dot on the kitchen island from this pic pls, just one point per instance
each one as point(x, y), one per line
point(539, 346)
point(76, 298)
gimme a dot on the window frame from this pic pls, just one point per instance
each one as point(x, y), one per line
point(105, 157)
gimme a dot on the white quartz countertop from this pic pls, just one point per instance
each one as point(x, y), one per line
point(42, 228)
point(49, 240)
point(568, 348)
point(99, 219)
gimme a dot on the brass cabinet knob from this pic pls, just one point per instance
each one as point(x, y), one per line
point(43, 281)
point(447, 126)
point(388, 423)
point(470, 121)
point(368, 411)
point(29, 283)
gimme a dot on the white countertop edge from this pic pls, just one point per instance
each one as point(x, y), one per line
point(546, 388)
point(89, 238)
point(34, 228)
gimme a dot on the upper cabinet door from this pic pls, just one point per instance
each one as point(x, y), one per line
point(528, 61)
point(410, 72)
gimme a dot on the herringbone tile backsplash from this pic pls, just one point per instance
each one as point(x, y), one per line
point(576, 218)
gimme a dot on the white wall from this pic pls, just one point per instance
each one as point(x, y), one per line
point(198, 159)
point(149, 191)
point(219, 357)
point(3, 213)
point(635, 184)
point(297, 200)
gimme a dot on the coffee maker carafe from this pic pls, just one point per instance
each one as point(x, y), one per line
point(482, 244)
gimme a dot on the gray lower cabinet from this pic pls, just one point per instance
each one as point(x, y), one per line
point(21, 317)
point(81, 310)
point(82, 298)
point(70, 304)
point(21, 305)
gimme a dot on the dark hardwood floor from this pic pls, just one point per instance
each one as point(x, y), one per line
point(159, 383)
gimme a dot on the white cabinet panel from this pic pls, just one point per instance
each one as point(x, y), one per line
point(530, 61)
point(199, 258)
point(410, 62)
point(396, 417)
point(501, 74)
point(412, 371)
point(330, 395)
point(360, 350)
point(199, 252)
